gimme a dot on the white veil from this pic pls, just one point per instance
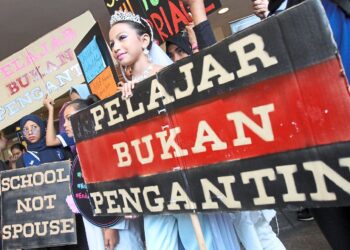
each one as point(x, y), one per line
point(159, 56)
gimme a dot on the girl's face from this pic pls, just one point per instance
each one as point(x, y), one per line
point(176, 53)
point(16, 153)
point(31, 131)
point(70, 110)
point(126, 44)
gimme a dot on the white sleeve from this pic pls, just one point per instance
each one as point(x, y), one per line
point(63, 142)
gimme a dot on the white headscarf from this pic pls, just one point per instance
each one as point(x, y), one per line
point(82, 90)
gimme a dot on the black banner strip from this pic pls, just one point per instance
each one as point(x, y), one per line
point(313, 177)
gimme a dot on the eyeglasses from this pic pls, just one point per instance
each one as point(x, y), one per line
point(33, 129)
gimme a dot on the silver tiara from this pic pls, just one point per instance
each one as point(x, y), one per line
point(120, 16)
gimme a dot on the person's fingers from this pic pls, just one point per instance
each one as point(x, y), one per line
point(107, 245)
point(127, 90)
point(260, 2)
point(261, 15)
point(113, 243)
point(124, 89)
point(260, 7)
point(131, 87)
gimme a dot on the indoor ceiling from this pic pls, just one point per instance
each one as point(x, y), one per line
point(24, 21)
point(237, 9)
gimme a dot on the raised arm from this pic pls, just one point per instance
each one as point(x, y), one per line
point(197, 9)
point(204, 33)
point(51, 139)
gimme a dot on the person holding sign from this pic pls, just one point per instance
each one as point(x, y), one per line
point(34, 132)
point(130, 41)
point(126, 233)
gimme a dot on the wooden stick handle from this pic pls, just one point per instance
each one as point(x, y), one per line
point(198, 231)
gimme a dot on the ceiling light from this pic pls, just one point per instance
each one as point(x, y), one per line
point(223, 10)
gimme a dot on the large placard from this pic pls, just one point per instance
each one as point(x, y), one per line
point(47, 66)
point(258, 120)
point(34, 209)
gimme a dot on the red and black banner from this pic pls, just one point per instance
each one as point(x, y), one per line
point(258, 120)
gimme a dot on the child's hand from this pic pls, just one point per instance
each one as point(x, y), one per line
point(13, 158)
point(260, 8)
point(110, 238)
point(48, 103)
point(127, 90)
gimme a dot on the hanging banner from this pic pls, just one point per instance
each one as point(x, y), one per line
point(257, 121)
point(48, 65)
point(34, 209)
point(167, 17)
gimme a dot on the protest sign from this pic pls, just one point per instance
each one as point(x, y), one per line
point(91, 60)
point(96, 63)
point(167, 17)
point(48, 65)
point(82, 201)
point(34, 210)
point(104, 84)
point(256, 121)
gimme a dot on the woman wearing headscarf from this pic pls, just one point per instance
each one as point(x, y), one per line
point(33, 130)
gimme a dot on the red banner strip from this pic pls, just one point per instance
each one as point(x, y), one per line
point(289, 112)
